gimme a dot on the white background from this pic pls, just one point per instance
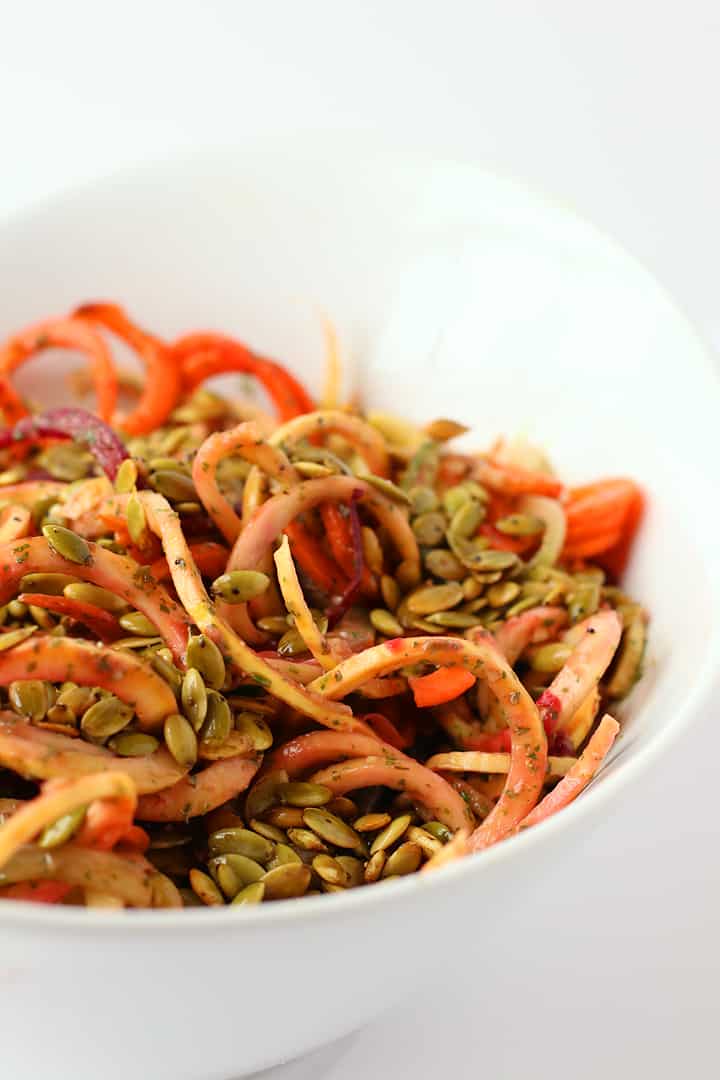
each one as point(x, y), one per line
point(610, 107)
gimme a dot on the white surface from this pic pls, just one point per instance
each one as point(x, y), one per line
point(611, 109)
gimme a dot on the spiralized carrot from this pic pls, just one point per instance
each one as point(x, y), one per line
point(209, 557)
point(62, 659)
point(162, 382)
point(515, 480)
point(441, 686)
point(104, 625)
point(66, 333)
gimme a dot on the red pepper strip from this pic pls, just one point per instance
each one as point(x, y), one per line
point(135, 841)
point(202, 355)
point(66, 333)
point(386, 730)
point(514, 480)
point(596, 516)
point(210, 558)
point(307, 551)
point(519, 545)
point(106, 823)
point(163, 380)
point(339, 536)
point(440, 686)
point(339, 606)
point(101, 623)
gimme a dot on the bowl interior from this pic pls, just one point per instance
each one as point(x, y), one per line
point(456, 293)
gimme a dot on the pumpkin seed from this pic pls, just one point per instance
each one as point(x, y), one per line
point(343, 807)
point(584, 600)
point(180, 739)
point(251, 894)
point(391, 833)
point(193, 697)
point(219, 720)
point(333, 829)
point(17, 609)
point(205, 888)
point(459, 494)
point(372, 551)
point(173, 484)
point(133, 744)
point(328, 869)
point(241, 842)
point(520, 525)
point(254, 728)
point(166, 671)
point(126, 477)
point(435, 598)
point(422, 499)
point(264, 828)
point(284, 854)
point(353, 868)
point(385, 623)
point(503, 593)
point(14, 637)
point(453, 620)
point(303, 794)
point(239, 586)
point(273, 624)
point(387, 488)
point(138, 624)
point(291, 644)
point(493, 560)
point(550, 658)
point(49, 584)
point(429, 528)
point(106, 717)
point(62, 830)
point(439, 830)
point(286, 881)
point(442, 430)
point(428, 844)
point(466, 519)
point(41, 617)
point(520, 606)
point(111, 545)
point(306, 839)
point(171, 463)
point(261, 795)
point(77, 698)
point(136, 521)
point(371, 822)
point(29, 698)
point(285, 817)
point(443, 564)
point(390, 591)
point(405, 860)
point(375, 866)
point(67, 544)
point(246, 870)
point(471, 588)
point(228, 880)
point(67, 461)
point(313, 470)
point(203, 654)
point(93, 594)
point(41, 508)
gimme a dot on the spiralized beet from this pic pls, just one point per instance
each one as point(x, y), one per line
point(71, 423)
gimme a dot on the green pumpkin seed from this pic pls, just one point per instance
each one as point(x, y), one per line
point(306, 839)
point(503, 593)
point(371, 822)
point(93, 594)
point(180, 740)
point(390, 591)
point(291, 644)
point(29, 698)
point(17, 609)
point(627, 668)
point(453, 620)
point(67, 544)
point(126, 477)
point(428, 844)
point(520, 525)
point(239, 586)
point(550, 658)
point(385, 623)
point(270, 832)
point(286, 881)
point(343, 807)
point(62, 830)
point(466, 519)
point(42, 617)
point(228, 881)
point(41, 508)
point(429, 528)
point(422, 500)
point(387, 488)
point(521, 605)
point(313, 470)
point(67, 462)
point(493, 560)
point(273, 624)
point(203, 654)
point(111, 545)
point(391, 833)
point(218, 721)
point(193, 696)
point(60, 714)
point(136, 642)
point(330, 870)
point(254, 728)
point(173, 484)
point(49, 584)
point(136, 521)
point(246, 870)
point(205, 888)
point(374, 867)
point(166, 671)
point(261, 795)
point(443, 564)
point(303, 794)
point(77, 698)
point(439, 830)
point(251, 894)
point(353, 868)
point(106, 717)
point(133, 744)
point(333, 829)
point(173, 464)
point(435, 598)
point(14, 637)
point(584, 600)
point(283, 855)
point(405, 860)
point(241, 842)
point(138, 624)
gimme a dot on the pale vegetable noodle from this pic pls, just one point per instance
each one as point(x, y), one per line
point(249, 655)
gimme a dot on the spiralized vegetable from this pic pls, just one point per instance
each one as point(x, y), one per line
point(323, 646)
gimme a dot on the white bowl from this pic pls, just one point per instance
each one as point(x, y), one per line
point(462, 295)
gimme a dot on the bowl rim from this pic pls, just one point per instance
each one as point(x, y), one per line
point(39, 918)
